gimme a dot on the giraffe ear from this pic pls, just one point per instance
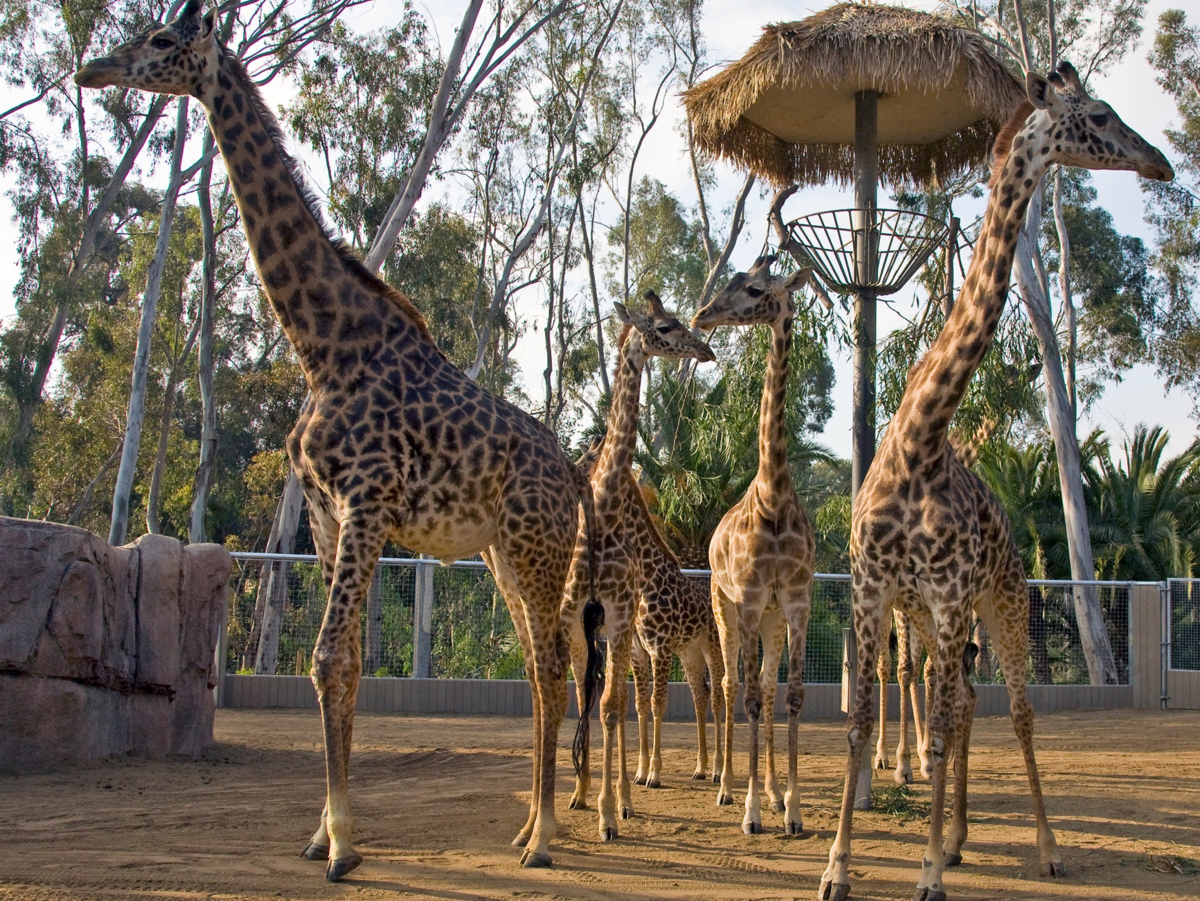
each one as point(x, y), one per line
point(656, 305)
point(1039, 91)
point(797, 280)
point(208, 25)
point(622, 313)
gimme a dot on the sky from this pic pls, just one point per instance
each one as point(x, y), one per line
point(1130, 89)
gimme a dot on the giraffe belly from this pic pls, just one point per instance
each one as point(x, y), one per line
point(447, 541)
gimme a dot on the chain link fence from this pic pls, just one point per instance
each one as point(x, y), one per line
point(1183, 621)
point(277, 602)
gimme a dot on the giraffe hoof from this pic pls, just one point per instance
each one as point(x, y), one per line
point(1054, 868)
point(699, 776)
point(952, 860)
point(881, 763)
point(924, 894)
point(752, 828)
point(778, 806)
point(626, 813)
point(833, 891)
point(653, 783)
point(724, 799)
point(609, 834)
point(716, 777)
point(794, 828)
point(902, 777)
point(577, 804)
point(862, 803)
point(337, 869)
point(639, 779)
point(313, 851)
point(521, 840)
point(535, 860)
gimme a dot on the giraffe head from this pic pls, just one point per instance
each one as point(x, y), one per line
point(175, 58)
point(753, 296)
point(662, 335)
point(1075, 129)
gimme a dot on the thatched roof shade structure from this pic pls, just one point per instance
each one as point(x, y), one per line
point(786, 109)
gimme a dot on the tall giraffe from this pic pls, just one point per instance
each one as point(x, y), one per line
point(396, 444)
point(927, 535)
point(674, 616)
point(762, 552)
point(618, 579)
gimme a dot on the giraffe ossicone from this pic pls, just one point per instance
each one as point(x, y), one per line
point(396, 443)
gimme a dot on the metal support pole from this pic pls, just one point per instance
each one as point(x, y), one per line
point(423, 618)
point(866, 180)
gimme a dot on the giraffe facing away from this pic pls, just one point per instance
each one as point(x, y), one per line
point(618, 578)
point(927, 535)
point(674, 616)
point(396, 444)
point(762, 552)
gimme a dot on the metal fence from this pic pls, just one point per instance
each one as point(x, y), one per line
point(1183, 623)
point(433, 621)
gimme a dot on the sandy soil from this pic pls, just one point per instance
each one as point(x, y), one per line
point(438, 799)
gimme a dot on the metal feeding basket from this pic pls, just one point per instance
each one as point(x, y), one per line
point(878, 250)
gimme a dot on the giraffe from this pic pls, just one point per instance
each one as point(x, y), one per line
point(396, 442)
point(674, 616)
point(762, 552)
point(927, 535)
point(619, 576)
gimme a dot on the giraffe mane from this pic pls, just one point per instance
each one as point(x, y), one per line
point(345, 252)
point(624, 336)
point(1004, 139)
point(636, 490)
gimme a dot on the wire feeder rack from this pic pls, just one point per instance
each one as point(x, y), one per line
point(850, 256)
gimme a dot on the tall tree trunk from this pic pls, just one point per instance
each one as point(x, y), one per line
point(202, 485)
point(272, 589)
point(141, 362)
point(1102, 668)
point(154, 501)
point(1064, 286)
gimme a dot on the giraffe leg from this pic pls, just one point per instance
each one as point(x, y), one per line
point(1010, 641)
point(337, 667)
point(923, 726)
point(579, 668)
point(748, 623)
point(661, 665)
point(692, 656)
point(884, 672)
point(941, 732)
point(641, 687)
point(956, 835)
point(774, 633)
point(550, 663)
point(869, 619)
point(716, 680)
point(797, 611)
point(612, 714)
point(904, 676)
point(727, 619)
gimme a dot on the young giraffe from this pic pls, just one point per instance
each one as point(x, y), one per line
point(762, 552)
point(619, 578)
point(674, 616)
point(927, 535)
point(396, 443)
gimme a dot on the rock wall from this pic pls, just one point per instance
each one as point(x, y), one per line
point(105, 650)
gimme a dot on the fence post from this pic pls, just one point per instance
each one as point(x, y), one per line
point(1164, 644)
point(1145, 645)
point(423, 618)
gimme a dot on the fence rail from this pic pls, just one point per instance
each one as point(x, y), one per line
point(431, 621)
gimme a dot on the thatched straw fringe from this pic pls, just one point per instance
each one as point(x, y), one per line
point(882, 48)
point(900, 165)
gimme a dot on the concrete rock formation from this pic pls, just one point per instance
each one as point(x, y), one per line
point(105, 650)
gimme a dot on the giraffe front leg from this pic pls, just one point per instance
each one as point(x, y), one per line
point(337, 667)
point(908, 701)
point(798, 613)
point(661, 667)
point(551, 700)
point(773, 628)
point(753, 701)
point(956, 835)
point(868, 630)
point(641, 698)
point(612, 706)
point(730, 646)
point(884, 672)
point(716, 681)
point(693, 668)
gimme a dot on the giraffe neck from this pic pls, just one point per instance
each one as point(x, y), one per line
point(940, 381)
point(617, 458)
point(773, 473)
point(323, 304)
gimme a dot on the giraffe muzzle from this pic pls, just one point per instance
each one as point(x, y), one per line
point(97, 74)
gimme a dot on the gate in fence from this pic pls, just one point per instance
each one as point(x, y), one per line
point(1181, 645)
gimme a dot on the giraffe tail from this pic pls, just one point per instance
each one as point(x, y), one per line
point(593, 619)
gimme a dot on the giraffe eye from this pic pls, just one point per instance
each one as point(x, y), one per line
point(162, 43)
point(663, 329)
point(1099, 119)
point(755, 292)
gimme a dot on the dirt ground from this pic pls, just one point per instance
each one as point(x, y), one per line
point(437, 800)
